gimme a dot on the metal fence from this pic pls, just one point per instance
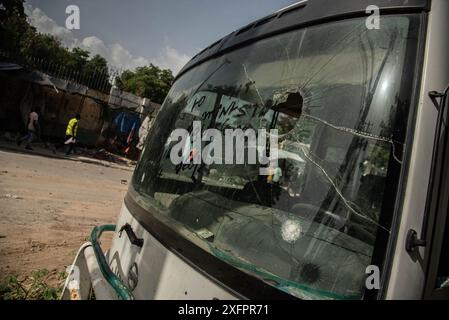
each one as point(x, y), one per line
point(100, 79)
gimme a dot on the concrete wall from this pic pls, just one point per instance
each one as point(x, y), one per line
point(11, 93)
point(62, 106)
point(55, 110)
point(57, 107)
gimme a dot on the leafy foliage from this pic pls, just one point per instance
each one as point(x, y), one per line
point(149, 81)
point(13, 24)
point(21, 40)
point(35, 286)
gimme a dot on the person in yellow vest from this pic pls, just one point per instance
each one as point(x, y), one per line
point(71, 134)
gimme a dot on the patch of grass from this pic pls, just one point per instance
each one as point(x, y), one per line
point(39, 285)
point(61, 275)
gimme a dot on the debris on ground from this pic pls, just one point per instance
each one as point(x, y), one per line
point(102, 154)
point(80, 152)
point(11, 196)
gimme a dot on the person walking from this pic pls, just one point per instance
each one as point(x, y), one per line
point(71, 134)
point(32, 130)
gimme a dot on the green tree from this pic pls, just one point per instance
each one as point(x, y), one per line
point(78, 59)
point(11, 8)
point(96, 69)
point(97, 62)
point(43, 46)
point(13, 25)
point(148, 81)
point(21, 42)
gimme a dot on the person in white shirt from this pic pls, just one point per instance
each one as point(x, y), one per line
point(32, 130)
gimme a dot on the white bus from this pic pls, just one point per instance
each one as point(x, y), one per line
point(357, 91)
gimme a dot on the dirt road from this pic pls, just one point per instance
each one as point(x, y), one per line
point(48, 208)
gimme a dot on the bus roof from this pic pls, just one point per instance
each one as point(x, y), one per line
point(301, 14)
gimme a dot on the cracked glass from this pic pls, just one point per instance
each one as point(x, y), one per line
point(334, 93)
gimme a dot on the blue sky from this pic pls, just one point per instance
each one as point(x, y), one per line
point(136, 32)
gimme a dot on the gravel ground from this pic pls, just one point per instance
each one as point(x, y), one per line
point(48, 208)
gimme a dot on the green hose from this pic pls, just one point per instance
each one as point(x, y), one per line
point(122, 291)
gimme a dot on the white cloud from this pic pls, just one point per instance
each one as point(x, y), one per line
point(45, 24)
point(115, 53)
point(171, 59)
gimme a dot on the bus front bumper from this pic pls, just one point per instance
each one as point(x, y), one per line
point(90, 272)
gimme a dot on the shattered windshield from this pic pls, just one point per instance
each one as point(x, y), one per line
point(332, 96)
